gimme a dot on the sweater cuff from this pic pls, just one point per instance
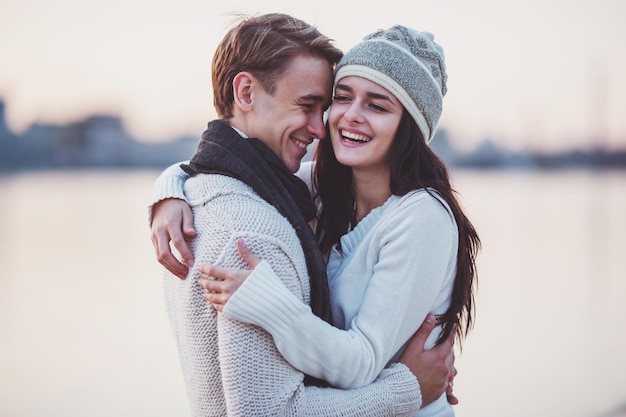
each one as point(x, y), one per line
point(170, 184)
point(263, 300)
point(403, 387)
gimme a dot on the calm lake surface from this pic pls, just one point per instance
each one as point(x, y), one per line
point(83, 330)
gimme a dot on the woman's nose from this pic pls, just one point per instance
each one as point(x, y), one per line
point(354, 112)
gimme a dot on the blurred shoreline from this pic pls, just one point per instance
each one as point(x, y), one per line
point(102, 141)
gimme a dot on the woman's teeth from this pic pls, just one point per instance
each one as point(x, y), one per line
point(354, 137)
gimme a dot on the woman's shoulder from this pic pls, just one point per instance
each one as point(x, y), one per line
point(422, 196)
point(423, 203)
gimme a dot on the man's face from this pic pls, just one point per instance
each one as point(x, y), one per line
point(292, 118)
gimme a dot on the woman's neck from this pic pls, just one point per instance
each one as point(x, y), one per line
point(371, 190)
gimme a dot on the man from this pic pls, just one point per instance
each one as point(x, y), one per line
point(272, 78)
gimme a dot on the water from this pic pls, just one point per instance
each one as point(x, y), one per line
point(83, 331)
point(550, 335)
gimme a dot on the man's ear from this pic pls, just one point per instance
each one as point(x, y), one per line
point(243, 86)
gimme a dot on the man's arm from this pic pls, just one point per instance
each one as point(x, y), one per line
point(434, 368)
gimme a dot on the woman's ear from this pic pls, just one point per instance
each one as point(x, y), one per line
point(243, 85)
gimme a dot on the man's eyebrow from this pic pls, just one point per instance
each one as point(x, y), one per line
point(313, 97)
point(316, 98)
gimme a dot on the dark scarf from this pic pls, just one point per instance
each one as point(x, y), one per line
point(222, 150)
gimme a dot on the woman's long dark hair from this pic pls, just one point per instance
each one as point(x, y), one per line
point(414, 165)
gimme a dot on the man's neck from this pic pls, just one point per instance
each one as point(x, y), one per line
point(237, 125)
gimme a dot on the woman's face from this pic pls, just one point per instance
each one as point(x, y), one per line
point(363, 120)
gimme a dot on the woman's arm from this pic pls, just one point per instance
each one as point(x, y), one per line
point(169, 184)
point(406, 283)
point(171, 219)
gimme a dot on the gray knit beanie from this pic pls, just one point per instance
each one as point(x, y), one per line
point(407, 63)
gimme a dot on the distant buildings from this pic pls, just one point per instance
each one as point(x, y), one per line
point(101, 141)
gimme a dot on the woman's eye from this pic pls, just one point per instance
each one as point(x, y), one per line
point(378, 108)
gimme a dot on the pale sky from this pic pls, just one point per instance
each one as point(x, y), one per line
point(532, 74)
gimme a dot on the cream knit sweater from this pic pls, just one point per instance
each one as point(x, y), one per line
point(232, 368)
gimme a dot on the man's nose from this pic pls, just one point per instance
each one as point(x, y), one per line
point(317, 127)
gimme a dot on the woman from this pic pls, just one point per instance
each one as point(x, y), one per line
point(398, 243)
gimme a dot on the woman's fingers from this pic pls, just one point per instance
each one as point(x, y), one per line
point(246, 254)
point(231, 279)
point(212, 285)
point(220, 283)
point(214, 271)
point(215, 292)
